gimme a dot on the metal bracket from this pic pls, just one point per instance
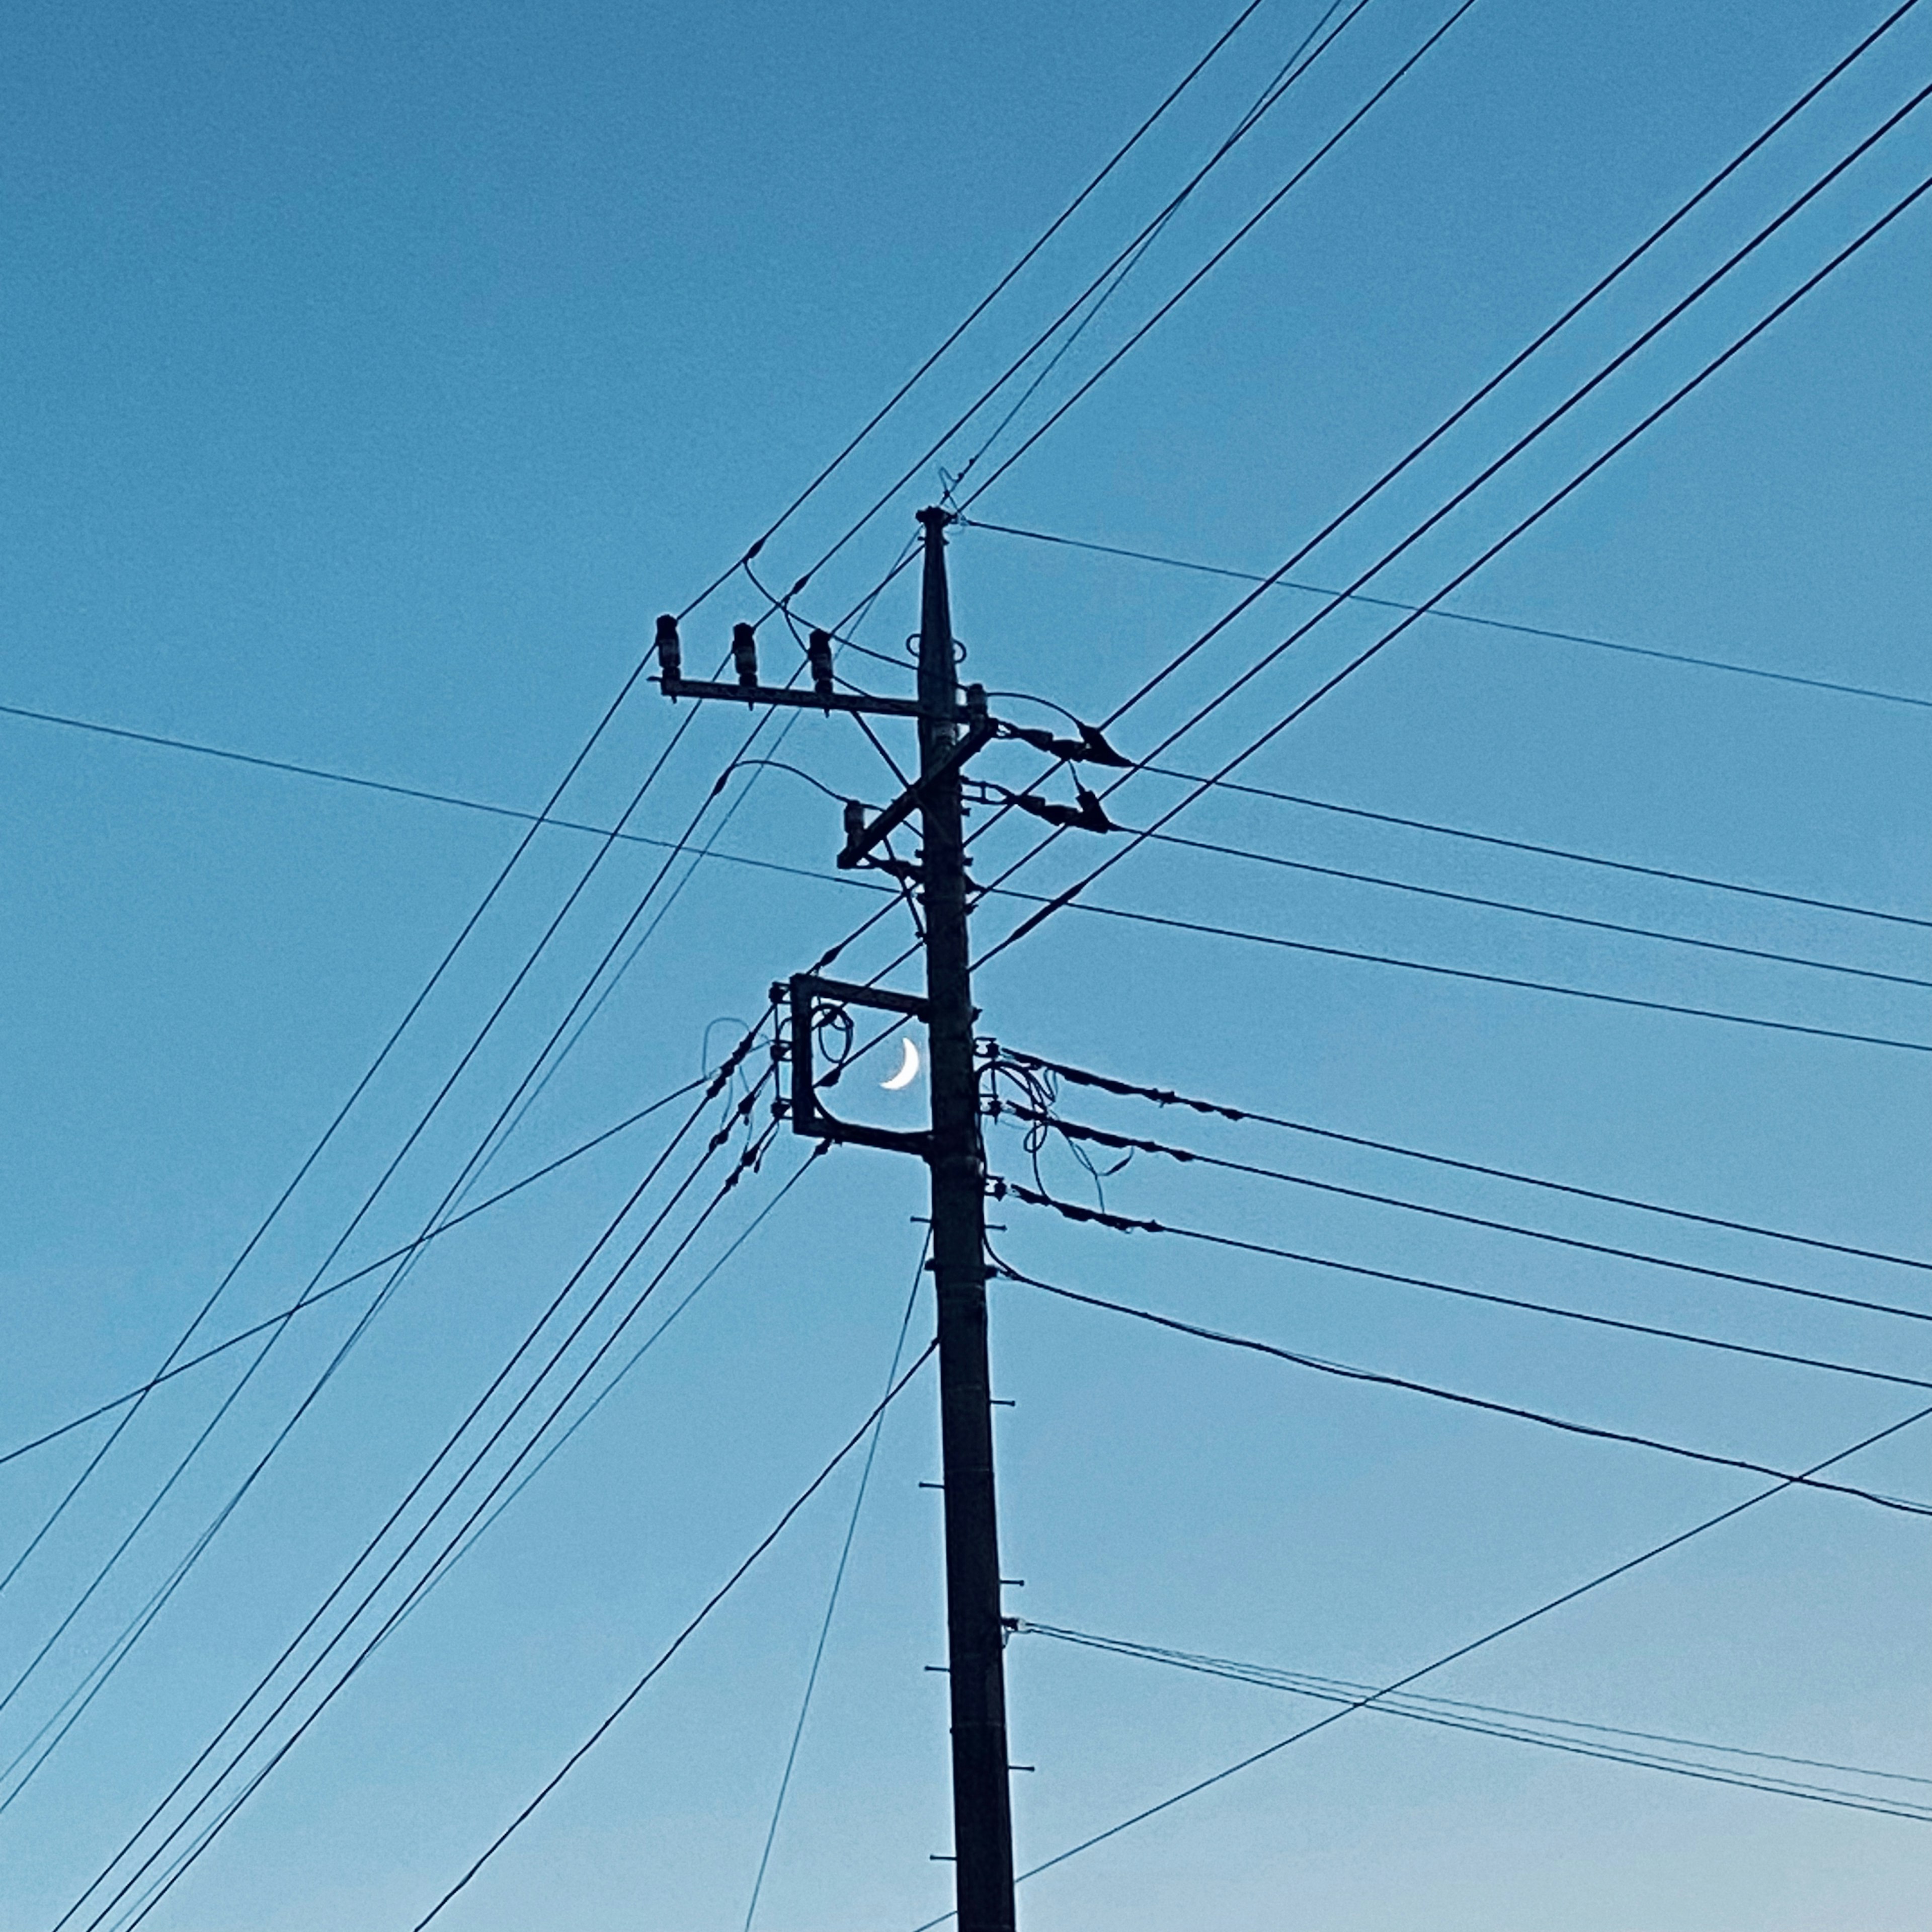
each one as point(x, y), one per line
point(807, 992)
point(802, 700)
point(983, 731)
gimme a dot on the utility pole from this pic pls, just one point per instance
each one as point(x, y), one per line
point(981, 1809)
point(953, 727)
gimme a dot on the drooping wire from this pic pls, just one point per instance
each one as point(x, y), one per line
point(1248, 1344)
point(831, 1596)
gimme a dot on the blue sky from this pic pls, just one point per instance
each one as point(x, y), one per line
point(374, 377)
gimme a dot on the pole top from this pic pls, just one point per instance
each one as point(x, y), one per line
point(935, 518)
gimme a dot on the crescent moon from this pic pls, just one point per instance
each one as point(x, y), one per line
point(908, 1070)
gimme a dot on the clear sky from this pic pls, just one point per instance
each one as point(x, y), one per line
point(374, 375)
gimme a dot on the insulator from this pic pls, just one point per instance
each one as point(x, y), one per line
point(1098, 749)
point(855, 821)
point(745, 654)
point(1092, 817)
point(818, 655)
point(670, 653)
point(976, 703)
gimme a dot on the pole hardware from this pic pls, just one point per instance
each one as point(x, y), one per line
point(953, 727)
point(747, 690)
point(813, 1000)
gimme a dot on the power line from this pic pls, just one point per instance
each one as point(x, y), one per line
point(1549, 503)
point(1279, 582)
point(1558, 1734)
point(986, 301)
point(1249, 1344)
point(117, 1652)
point(1249, 121)
point(1221, 253)
point(831, 1596)
point(1470, 402)
point(718, 1140)
point(1598, 288)
point(1061, 901)
point(1124, 1224)
point(708, 851)
point(1284, 78)
point(329, 1132)
point(1166, 1097)
point(1541, 851)
point(368, 1202)
point(348, 1280)
point(1077, 1131)
point(423, 1583)
point(630, 1697)
point(1253, 857)
point(1456, 1655)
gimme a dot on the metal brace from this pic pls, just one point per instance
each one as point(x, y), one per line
point(807, 992)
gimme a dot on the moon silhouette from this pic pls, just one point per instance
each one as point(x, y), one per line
point(908, 1070)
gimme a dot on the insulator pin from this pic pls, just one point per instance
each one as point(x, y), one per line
point(818, 655)
point(745, 655)
point(671, 652)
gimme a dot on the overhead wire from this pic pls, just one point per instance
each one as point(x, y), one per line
point(986, 301)
point(1461, 1398)
point(1478, 395)
point(438, 1566)
point(1453, 617)
point(1120, 154)
point(1167, 1097)
point(1676, 876)
point(1127, 1224)
point(1057, 902)
point(368, 1268)
point(1078, 1131)
point(1282, 79)
point(1522, 525)
point(832, 1594)
point(106, 1568)
point(719, 1139)
point(1622, 927)
point(1214, 261)
point(1602, 1741)
point(117, 1651)
point(1598, 288)
point(1249, 120)
point(1456, 1654)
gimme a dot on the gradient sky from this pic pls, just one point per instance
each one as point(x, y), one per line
point(372, 375)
